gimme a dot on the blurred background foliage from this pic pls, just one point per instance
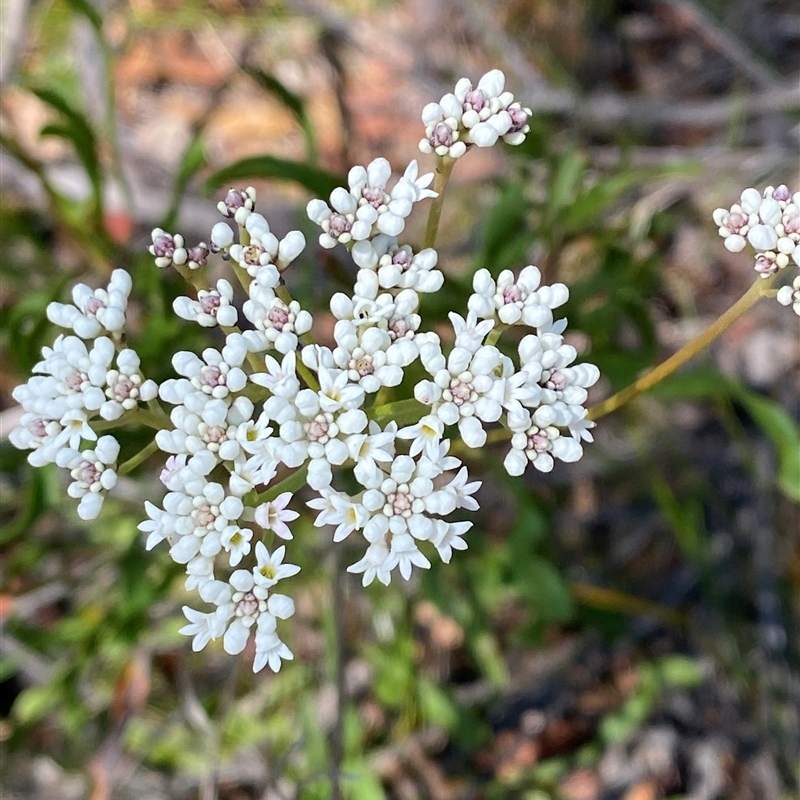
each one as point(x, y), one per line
point(624, 627)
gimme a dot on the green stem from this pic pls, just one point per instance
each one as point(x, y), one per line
point(624, 603)
point(111, 124)
point(242, 275)
point(141, 456)
point(198, 283)
point(494, 334)
point(444, 166)
point(294, 482)
point(95, 244)
point(305, 373)
point(758, 290)
point(403, 412)
point(157, 420)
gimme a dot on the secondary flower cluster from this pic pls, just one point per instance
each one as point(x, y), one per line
point(274, 409)
point(770, 224)
point(76, 384)
point(477, 115)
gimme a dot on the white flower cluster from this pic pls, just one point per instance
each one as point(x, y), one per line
point(479, 116)
point(365, 208)
point(272, 409)
point(540, 400)
point(75, 384)
point(770, 223)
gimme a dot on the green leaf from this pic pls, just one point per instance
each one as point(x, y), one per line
point(361, 782)
point(685, 517)
point(505, 223)
point(87, 10)
point(193, 160)
point(785, 434)
point(547, 591)
point(566, 181)
point(682, 671)
point(33, 502)
point(773, 420)
point(316, 180)
point(34, 703)
point(291, 101)
point(76, 129)
point(435, 705)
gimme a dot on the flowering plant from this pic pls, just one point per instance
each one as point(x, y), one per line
point(276, 408)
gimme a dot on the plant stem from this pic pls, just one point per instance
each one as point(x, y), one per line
point(402, 412)
point(290, 484)
point(153, 419)
point(141, 456)
point(688, 351)
point(444, 166)
point(494, 335)
point(198, 283)
point(624, 603)
point(338, 611)
point(307, 338)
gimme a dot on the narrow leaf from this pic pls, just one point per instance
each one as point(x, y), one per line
point(291, 101)
point(86, 9)
point(316, 180)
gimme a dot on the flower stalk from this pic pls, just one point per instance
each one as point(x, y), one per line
point(444, 169)
point(759, 289)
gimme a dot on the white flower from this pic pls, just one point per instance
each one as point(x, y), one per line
point(243, 605)
point(403, 505)
point(223, 429)
point(448, 538)
point(221, 236)
point(256, 471)
point(80, 375)
point(94, 310)
point(281, 323)
point(516, 301)
point(443, 129)
point(200, 521)
point(281, 381)
point(216, 375)
point(405, 555)
point(366, 450)
point(540, 446)
point(237, 205)
point(92, 474)
point(212, 307)
point(264, 248)
point(478, 116)
point(273, 516)
point(344, 221)
point(339, 510)
point(270, 568)
point(370, 356)
point(168, 249)
point(171, 470)
point(236, 541)
point(159, 526)
point(769, 223)
point(367, 209)
point(270, 650)
point(125, 387)
point(425, 435)
point(790, 295)
point(374, 564)
point(39, 434)
point(202, 627)
point(466, 388)
point(320, 437)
